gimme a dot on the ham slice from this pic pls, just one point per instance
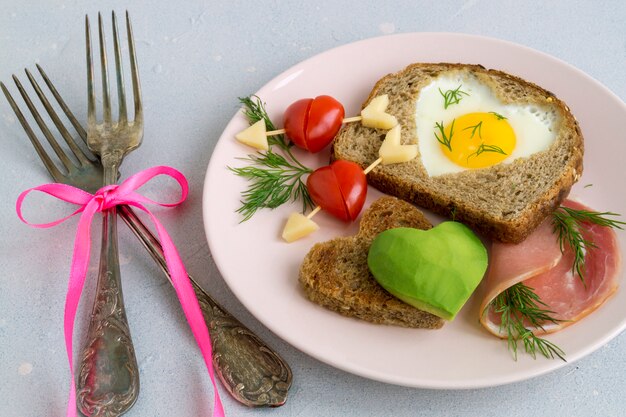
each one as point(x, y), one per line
point(539, 263)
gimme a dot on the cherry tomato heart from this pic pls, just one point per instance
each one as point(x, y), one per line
point(339, 188)
point(313, 123)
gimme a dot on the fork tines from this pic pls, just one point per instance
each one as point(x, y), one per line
point(121, 95)
point(82, 156)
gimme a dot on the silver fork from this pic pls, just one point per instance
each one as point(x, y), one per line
point(108, 381)
point(251, 371)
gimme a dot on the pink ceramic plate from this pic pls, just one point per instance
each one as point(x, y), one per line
point(262, 270)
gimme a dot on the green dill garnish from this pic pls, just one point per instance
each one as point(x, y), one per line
point(588, 185)
point(445, 140)
point(254, 110)
point(451, 97)
point(498, 115)
point(482, 147)
point(274, 178)
point(518, 306)
point(274, 181)
point(567, 225)
point(487, 148)
point(478, 126)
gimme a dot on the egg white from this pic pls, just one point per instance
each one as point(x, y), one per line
point(534, 126)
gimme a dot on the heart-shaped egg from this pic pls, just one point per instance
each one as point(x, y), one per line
point(433, 270)
point(463, 124)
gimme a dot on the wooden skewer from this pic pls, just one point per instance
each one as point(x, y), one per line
point(314, 212)
point(352, 119)
point(282, 131)
point(275, 132)
point(365, 171)
point(372, 166)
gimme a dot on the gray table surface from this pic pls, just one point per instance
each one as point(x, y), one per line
point(196, 58)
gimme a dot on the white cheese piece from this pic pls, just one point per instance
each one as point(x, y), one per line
point(254, 136)
point(374, 114)
point(298, 226)
point(392, 151)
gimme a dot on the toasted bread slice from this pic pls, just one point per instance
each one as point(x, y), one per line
point(335, 274)
point(505, 202)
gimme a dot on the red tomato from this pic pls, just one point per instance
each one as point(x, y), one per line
point(339, 188)
point(325, 192)
point(353, 185)
point(296, 120)
point(313, 123)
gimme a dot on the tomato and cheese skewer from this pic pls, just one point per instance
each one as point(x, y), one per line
point(341, 187)
point(311, 124)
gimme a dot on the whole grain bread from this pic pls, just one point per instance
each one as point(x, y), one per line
point(335, 274)
point(505, 202)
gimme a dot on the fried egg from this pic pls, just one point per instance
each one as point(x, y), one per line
point(462, 125)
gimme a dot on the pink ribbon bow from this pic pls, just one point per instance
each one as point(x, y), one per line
point(104, 199)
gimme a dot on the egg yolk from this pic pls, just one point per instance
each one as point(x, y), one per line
point(476, 140)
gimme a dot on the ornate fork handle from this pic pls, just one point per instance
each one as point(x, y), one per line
point(108, 381)
point(253, 373)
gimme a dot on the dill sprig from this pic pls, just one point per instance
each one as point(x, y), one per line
point(274, 178)
point(478, 126)
point(487, 148)
point(517, 306)
point(483, 147)
point(445, 140)
point(498, 115)
point(567, 223)
point(451, 97)
point(274, 181)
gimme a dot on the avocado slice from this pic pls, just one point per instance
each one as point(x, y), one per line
point(434, 270)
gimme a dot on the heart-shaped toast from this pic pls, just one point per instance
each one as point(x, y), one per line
point(335, 275)
point(496, 152)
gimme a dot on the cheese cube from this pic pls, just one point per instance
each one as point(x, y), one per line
point(254, 136)
point(298, 226)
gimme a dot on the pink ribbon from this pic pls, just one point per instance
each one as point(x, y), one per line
point(105, 198)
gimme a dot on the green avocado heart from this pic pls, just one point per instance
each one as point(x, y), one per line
point(434, 270)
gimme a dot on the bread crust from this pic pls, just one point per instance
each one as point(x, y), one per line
point(335, 275)
point(492, 210)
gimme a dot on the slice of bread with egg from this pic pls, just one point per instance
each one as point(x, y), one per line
point(335, 274)
point(496, 152)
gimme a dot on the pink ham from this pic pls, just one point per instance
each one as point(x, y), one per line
point(539, 264)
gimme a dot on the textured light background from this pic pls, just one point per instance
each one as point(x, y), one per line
point(196, 58)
